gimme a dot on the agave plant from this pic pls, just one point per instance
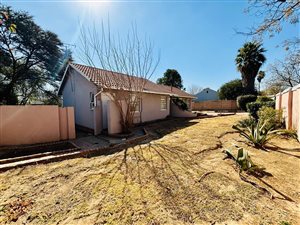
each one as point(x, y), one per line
point(242, 159)
point(258, 134)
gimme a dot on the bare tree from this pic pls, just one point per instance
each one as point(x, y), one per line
point(274, 14)
point(130, 61)
point(261, 75)
point(194, 89)
point(285, 74)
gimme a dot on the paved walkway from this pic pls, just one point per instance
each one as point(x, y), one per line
point(85, 141)
point(89, 142)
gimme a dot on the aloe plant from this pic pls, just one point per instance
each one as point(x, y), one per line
point(242, 159)
point(258, 134)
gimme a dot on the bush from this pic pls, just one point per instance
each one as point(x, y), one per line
point(271, 116)
point(247, 122)
point(252, 108)
point(270, 104)
point(244, 99)
point(264, 99)
point(231, 90)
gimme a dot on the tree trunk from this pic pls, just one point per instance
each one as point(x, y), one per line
point(248, 83)
point(9, 97)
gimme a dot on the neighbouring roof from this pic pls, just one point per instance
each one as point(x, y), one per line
point(206, 89)
point(113, 80)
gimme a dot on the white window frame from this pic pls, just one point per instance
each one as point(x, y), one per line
point(92, 101)
point(165, 104)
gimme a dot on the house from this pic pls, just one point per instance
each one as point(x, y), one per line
point(85, 88)
point(207, 94)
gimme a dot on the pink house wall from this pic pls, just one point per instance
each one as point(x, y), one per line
point(35, 124)
point(151, 107)
point(150, 111)
point(113, 118)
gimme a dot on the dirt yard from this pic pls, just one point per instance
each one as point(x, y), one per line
point(160, 182)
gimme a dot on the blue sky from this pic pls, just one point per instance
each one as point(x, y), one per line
point(197, 38)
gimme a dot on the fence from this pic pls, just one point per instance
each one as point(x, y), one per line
point(35, 124)
point(216, 105)
point(289, 102)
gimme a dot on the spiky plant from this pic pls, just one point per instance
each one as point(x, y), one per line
point(249, 60)
point(242, 159)
point(258, 134)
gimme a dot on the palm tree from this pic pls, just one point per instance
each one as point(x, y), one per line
point(261, 75)
point(249, 59)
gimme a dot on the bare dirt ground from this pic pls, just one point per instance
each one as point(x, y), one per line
point(160, 182)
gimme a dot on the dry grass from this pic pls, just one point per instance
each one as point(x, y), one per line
point(158, 182)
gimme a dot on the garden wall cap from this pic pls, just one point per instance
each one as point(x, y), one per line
point(286, 90)
point(296, 87)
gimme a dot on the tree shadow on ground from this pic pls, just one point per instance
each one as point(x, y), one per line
point(158, 181)
point(153, 164)
point(285, 151)
point(164, 127)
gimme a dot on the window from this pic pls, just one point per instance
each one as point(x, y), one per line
point(163, 103)
point(92, 101)
point(135, 103)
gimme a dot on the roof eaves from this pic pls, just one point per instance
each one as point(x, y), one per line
point(62, 80)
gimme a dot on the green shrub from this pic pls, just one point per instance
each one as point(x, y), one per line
point(231, 90)
point(264, 99)
point(252, 108)
point(269, 104)
point(247, 122)
point(244, 99)
point(271, 116)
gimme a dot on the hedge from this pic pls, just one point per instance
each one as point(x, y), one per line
point(243, 100)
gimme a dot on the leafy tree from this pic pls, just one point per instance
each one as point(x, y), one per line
point(261, 75)
point(30, 59)
point(249, 60)
point(171, 78)
point(231, 90)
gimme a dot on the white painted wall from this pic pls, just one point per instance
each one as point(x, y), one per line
point(76, 93)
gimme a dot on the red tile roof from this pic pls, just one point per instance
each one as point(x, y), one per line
point(114, 80)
